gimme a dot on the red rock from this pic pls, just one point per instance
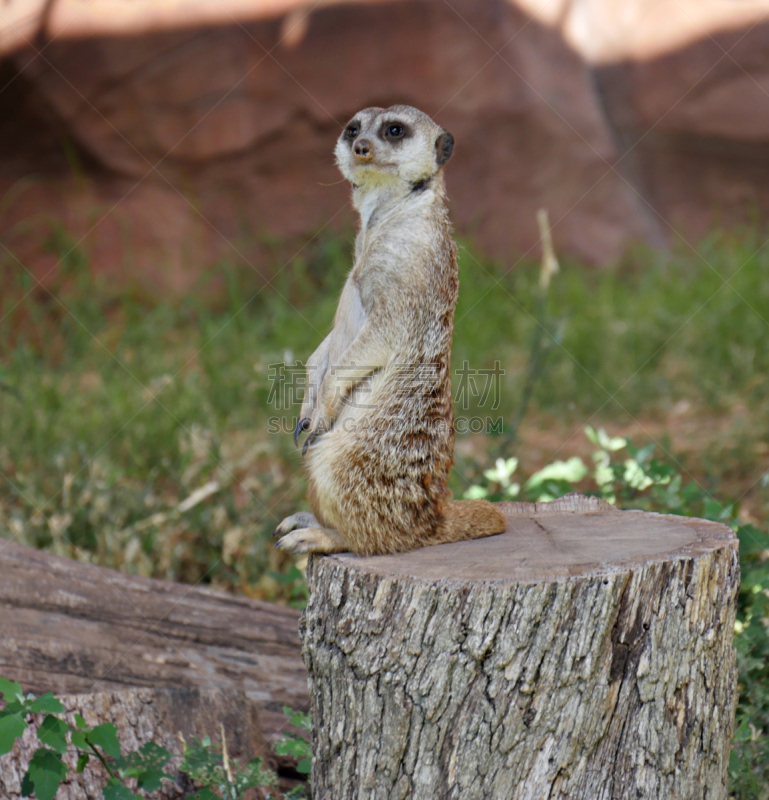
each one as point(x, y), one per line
point(20, 23)
point(197, 142)
point(695, 129)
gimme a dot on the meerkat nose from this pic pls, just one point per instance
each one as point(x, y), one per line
point(362, 150)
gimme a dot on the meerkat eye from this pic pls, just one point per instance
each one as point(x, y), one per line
point(394, 131)
point(351, 132)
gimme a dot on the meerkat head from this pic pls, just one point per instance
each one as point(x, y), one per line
point(399, 144)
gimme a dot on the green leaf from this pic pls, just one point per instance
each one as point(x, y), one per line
point(253, 775)
point(602, 439)
point(46, 771)
point(105, 737)
point(79, 740)
point(16, 707)
point(634, 475)
point(292, 745)
point(203, 794)
point(304, 766)
point(199, 759)
point(644, 453)
point(502, 471)
point(148, 756)
point(476, 493)
point(571, 471)
point(604, 475)
point(299, 719)
point(284, 577)
point(11, 727)
point(146, 765)
point(151, 779)
point(53, 732)
point(513, 490)
point(27, 787)
point(46, 704)
point(82, 761)
point(753, 542)
point(10, 690)
point(80, 722)
point(114, 790)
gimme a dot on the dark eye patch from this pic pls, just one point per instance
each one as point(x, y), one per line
point(393, 131)
point(351, 131)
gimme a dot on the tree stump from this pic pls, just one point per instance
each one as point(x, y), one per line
point(584, 654)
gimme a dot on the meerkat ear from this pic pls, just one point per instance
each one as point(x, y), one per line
point(444, 144)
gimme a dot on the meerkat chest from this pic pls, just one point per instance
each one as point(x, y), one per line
point(350, 318)
point(392, 252)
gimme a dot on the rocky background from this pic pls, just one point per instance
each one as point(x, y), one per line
point(165, 134)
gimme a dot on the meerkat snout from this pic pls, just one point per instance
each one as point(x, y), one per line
point(390, 146)
point(362, 150)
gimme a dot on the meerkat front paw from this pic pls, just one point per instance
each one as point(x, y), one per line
point(302, 425)
point(313, 540)
point(302, 519)
point(318, 427)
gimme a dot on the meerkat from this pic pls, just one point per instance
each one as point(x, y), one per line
point(378, 406)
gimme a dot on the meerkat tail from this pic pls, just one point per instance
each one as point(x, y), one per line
point(469, 519)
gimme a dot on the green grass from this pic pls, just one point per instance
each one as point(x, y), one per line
point(115, 407)
point(650, 333)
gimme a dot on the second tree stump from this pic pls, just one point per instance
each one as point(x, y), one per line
point(585, 654)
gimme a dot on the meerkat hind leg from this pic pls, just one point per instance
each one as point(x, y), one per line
point(314, 540)
point(302, 519)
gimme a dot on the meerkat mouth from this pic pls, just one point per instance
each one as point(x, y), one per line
point(374, 165)
point(366, 173)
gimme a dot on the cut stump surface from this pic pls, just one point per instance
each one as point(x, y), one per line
point(584, 654)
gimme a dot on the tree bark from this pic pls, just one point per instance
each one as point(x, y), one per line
point(585, 654)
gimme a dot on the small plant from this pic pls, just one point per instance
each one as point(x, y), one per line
point(219, 771)
point(47, 769)
point(220, 776)
point(295, 591)
point(749, 763)
point(294, 745)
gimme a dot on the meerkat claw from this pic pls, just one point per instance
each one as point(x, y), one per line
point(281, 544)
point(293, 542)
point(310, 440)
point(302, 425)
point(301, 519)
point(312, 540)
